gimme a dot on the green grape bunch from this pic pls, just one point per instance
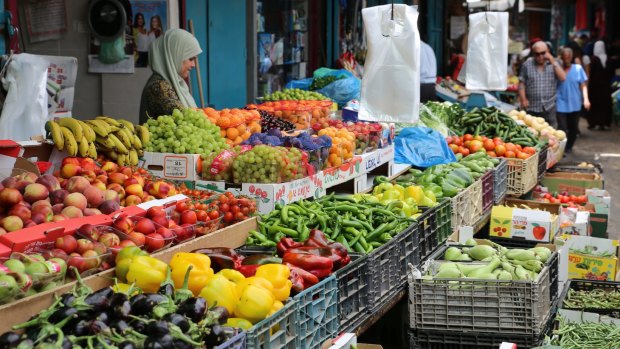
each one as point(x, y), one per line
point(267, 164)
point(295, 94)
point(184, 132)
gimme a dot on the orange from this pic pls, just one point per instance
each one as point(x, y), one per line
point(241, 128)
point(246, 135)
point(223, 133)
point(238, 140)
point(232, 133)
point(223, 122)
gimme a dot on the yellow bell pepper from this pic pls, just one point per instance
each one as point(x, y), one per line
point(238, 323)
point(147, 273)
point(232, 275)
point(254, 304)
point(278, 275)
point(199, 275)
point(277, 305)
point(256, 281)
point(416, 192)
point(219, 291)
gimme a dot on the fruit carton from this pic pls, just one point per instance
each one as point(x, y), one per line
point(527, 224)
point(572, 183)
point(599, 204)
point(589, 257)
point(574, 222)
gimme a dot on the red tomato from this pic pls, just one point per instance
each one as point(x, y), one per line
point(224, 208)
point(468, 137)
point(202, 216)
point(228, 217)
point(182, 206)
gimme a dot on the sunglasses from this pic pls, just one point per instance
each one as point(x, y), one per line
point(540, 53)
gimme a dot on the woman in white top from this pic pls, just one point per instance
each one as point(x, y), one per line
point(141, 38)
point(156, 29)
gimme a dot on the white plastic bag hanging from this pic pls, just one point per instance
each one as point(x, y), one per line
point(391, 81)
point(25, 109)
point(487, 51)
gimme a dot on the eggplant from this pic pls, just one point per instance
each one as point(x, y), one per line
point(126, 345)
point(100, 299)
point(157, 329)
point(120, 325)
point(62, 314)
point(9, 340)
point(165, 342)
point(118, 298)
point(221, 313)
point(67, 299)
point(66, 343)
point(98, 326)
point(178, 320)
point(138, 326)
point(144, 305)
point(215, 337)
point(179, 344)
point(193, 308)
point(122, 310)
point(80, 329)
point(104, 317)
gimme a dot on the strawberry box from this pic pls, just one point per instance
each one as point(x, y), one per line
point(525, 220)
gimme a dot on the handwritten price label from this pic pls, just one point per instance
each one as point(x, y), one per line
point(175, 167)
point(373, 162)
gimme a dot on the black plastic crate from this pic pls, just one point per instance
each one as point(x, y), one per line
point(384, 272)
point(500, 181)
point(434, 227)
point(487, 191)
point(353, 290)
point(408, 243)
point(589, 285)
point(542, 161)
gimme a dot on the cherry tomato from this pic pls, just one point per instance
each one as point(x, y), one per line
point(239, 216)
point(223, 199)
point(202, 216)
point(214, 214)
point(245, 210)
point(228, 217)
point(234, 209)
point(182, 206)
point(224, 207)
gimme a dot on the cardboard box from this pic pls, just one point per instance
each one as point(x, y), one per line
point(573, 183)
point(537, 224)
point(179, 167)
point(574, 222)
point(585, 266)
point(599, 202)
point(21, 310)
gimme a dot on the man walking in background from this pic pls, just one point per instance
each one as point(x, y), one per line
point(428, 73)
point(538, 81)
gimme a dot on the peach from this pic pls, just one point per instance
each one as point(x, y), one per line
point(99, 184)
point(134, 189)
point(109, 206)
point(155, 211)
point(89, 164)
point(56, 209)
point(124, 224)
point(28, 177)
point(117, 178)
point(91, 176)
point(58, 196)
point(45, 202)
point(139, 178)
point(117, 188)
point(110, 167)
point(49, 181)
point(20, 211)
point(94, 196)
point(77, 200)
point(148, 198)
point(46, 211)
point(103, 178)
point(12, 223)
point(129, 181)
point(21, 185)
point(72, 212)
point(70, 170)
point(161, 220)
point(132, 200)
point(145, 226)
point(89, 211)
point(39, 218)
point(35, 192)
point(29, 223)
point(126, 170)
point(9, 182)
point(77, 184)
point(10, 197)
point(71, 160)
point(59, 217)
point(111, 195)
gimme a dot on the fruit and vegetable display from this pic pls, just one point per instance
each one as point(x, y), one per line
point(494, 147)
point(302, 113)
point(447, 180)
point(294, 94)
point(231, 208)
point(343, 145)
point(595, 298)
point(115, 139)
point(360, 225)
point(367, 135)
point(499, 262)
point(236, 125)
point(322, 81)
point(23, 275)
point(579, 335)
point(184, 132)
point(160, 316)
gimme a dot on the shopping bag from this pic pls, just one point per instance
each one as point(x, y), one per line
point(422, 147)
point(391, 82)
point(487, 52)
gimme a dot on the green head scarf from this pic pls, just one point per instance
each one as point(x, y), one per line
point(166, 56)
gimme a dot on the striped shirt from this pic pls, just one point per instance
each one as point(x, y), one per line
point(540, 86)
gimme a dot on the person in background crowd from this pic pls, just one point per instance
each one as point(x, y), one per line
point(141, 40)
point(599, 85)
point(172, 57)
point(538, 83)
point(428, 73)
point(155, 30)
point(572, 93)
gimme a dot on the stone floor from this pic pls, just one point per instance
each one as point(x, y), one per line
point(593, 146)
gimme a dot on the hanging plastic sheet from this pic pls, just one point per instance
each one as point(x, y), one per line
point(487, 51)
point(391, 81)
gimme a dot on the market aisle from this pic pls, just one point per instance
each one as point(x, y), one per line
point(587, 148)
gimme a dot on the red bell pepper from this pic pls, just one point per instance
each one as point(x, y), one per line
point(300, 278)
point(316, 239)
point(250, 263)
point(340, 250)
point(315, 260)
point(286, 244)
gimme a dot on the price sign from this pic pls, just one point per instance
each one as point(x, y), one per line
point(176, 167)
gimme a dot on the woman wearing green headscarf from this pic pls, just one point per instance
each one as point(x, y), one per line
point(171, 57)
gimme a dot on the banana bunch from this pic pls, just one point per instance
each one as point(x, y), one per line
point(119, 140)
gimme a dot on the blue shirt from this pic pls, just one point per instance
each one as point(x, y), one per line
point(570, 97)
point(428, 64)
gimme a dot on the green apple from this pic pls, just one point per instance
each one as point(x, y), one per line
point(15, 265)
point(8, 287)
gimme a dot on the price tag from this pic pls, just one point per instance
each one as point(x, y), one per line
point(175, 167)
point(374, 161)
point(466, 232)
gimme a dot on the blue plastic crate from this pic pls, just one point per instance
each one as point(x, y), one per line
point(353, 292)
point(236, 342)
point(317, 313)
point(279, 331)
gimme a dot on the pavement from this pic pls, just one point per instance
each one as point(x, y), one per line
point(601, 146)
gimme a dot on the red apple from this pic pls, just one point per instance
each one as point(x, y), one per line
point(145, 226)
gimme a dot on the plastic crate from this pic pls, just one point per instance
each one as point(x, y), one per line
point(384, 273)
point(450, 340)
point(542, 161)
point(492, 306)
point(522, 175)
point(555, 154)
point(467, 206)
point(487, 191)
point(500, 181)
point(317, 313)
point(279, 331)
point(589, 285)
point(434, 226)
point(353, 293)
point(408, 243)
point(236, 342)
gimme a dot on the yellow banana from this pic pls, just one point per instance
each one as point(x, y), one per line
point(133, 157)
point(101, 128)
point(118, 145)
point(122, 159)
point(73, 125)
point(112, 155)
point(83, 147)
point(124, 136)
point(144, 134)
point(128, 125)
point(56, 133)
point(71, 146)
point(105, 143)
point(92, 150)
point(89, 133)
point(109, 120)
point(136, 142)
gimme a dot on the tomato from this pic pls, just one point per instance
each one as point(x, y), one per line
point(464, 151)
point(498, 140)
point(224, 207)
point(202, 216)
point(491, 154)
point(239, 216)
point(182, 206)
point(232, 201)
point(234, 209)
point(522, 155)
point(214, 214)
point(454, 148)
point(510, 154)
point(510, 147)
point(475, 146)
point(488, 145)
point(500, 150)
point(245, 210)
point(449, 139)
point(228, 217)
point(223, 199)
point(154, 242)
point(189, 217)
point(478, 138)
point(547, 196)
point(457, 140)
point(530, 150)
point(468, 137)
